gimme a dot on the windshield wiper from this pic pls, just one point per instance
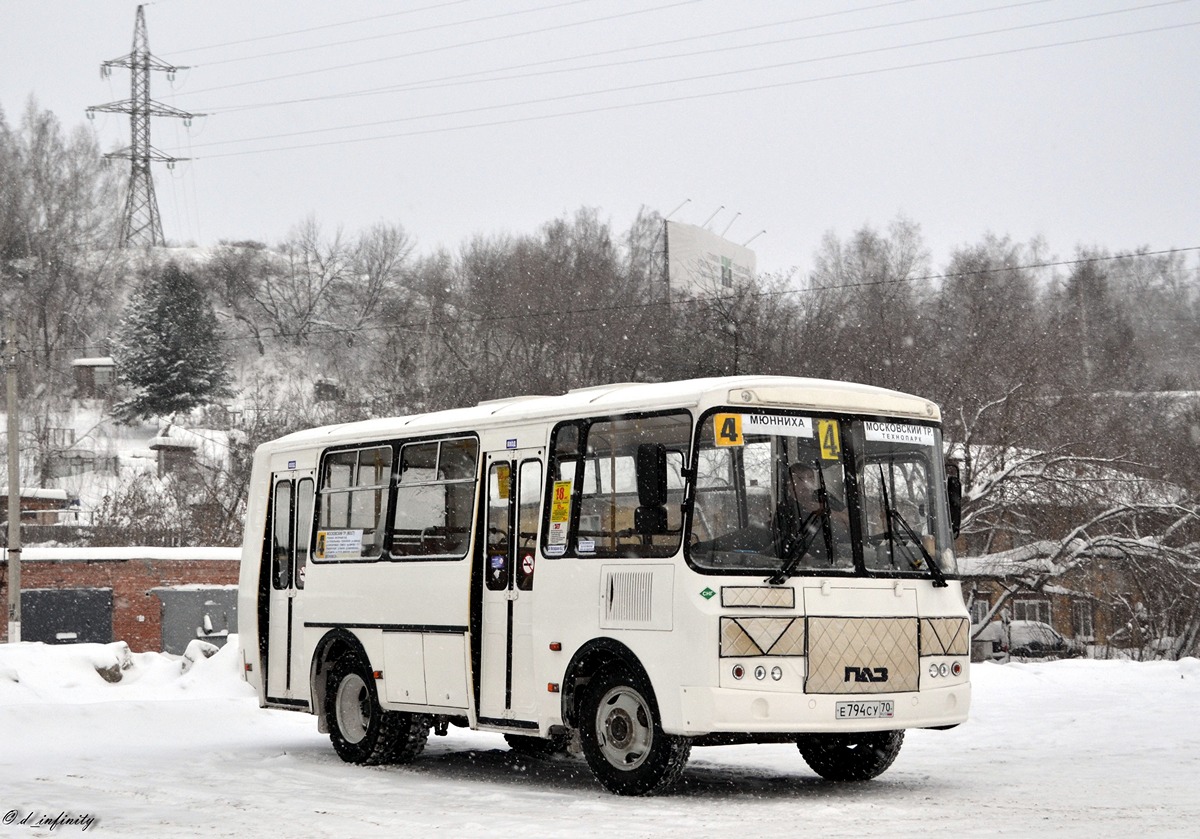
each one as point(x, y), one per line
point(893, 515)
point(808, 530)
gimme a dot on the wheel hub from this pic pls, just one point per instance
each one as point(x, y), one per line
point(353, 708)
point(624, 728)
point(619, 729)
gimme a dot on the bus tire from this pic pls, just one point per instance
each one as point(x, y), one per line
point(622, 737)
point(411, 735)
point(858, 756)
point(361, 731)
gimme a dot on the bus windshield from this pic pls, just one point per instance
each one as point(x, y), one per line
point(785, 494)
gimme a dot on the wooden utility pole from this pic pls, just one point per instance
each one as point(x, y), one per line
point(14, 486)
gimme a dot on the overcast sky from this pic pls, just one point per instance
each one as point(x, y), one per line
point(1074, 120)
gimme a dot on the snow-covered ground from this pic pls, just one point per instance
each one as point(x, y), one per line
point(1068, 748)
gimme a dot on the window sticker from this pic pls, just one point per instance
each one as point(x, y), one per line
point(339, 544)
point(894, 432)
point(779, 426)
point(560, 513)
point(727, 429)
point(827, 434)
point(503, 474)
point(730, 429)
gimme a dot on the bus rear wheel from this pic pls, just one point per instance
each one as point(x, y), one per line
point(622, 738)
point(360, 730)
point(858, 756)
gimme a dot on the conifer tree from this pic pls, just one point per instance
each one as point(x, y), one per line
point(168, 349)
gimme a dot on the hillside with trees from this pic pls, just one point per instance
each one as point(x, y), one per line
point(1069, 382)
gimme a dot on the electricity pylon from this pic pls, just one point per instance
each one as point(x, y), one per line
point(141, 225)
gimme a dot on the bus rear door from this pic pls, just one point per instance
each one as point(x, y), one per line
point(291, 531)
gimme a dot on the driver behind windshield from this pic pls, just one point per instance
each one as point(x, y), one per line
point(811, 520)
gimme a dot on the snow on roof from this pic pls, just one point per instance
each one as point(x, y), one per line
point(99, 361)
point(196, 587)
point(137, 552)
point(47, 494)
point(169, 442)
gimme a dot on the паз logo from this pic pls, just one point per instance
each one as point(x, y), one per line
point(866, 674)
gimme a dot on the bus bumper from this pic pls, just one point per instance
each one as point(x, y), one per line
point(704, 710)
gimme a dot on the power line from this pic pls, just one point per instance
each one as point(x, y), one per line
point(419, 30)
point(460, 79)
point(325, 26)
point(428, 51)
point(478, 320)
point(664, 100)
point(492, 39)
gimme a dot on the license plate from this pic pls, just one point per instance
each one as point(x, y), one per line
point(874, 709)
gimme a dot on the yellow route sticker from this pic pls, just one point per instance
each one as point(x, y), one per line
point(503, 477)
point(727, 429)
point(827, 434)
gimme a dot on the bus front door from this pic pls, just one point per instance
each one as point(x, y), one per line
point(291, 529)
point(514, 483)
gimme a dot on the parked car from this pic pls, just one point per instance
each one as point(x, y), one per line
point(1034, 639)
point(989, 643)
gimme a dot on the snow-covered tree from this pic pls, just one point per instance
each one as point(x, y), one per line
point(168, 350)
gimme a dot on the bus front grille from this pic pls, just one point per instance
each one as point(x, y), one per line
point(862, 655)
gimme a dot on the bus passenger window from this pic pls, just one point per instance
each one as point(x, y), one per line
point(530, 489)
point(353, 500)
point(499, 547)
point(304, 522)
point(599, 460)
point(435, 496)
point(281, 538)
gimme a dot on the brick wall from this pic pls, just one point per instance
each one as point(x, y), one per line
point(137, 612)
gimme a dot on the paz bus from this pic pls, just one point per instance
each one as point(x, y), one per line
point(625, 571)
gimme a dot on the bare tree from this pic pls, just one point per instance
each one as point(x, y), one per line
point(59, 268)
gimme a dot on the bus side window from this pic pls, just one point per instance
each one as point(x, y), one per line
point(598, 458)
point(530, 489)
point(354, 495)
point(435, 498)
point(499, 546)
point(281, 536)
point(304, 522)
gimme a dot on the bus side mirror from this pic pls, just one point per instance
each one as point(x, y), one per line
point(650, 518)
point(954, 495)
point(652, 474)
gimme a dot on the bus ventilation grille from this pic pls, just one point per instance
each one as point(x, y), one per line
point(629, 598)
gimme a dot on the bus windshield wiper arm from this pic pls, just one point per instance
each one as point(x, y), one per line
point(893, 515)
point(808, 530)
point(935, 570)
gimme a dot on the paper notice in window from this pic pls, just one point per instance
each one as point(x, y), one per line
point(339, 544)
point(560, 513)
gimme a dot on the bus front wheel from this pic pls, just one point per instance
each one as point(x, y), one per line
point(622, 738)
point(361, 731)
point(859, 756)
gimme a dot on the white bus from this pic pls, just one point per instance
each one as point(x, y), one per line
point(643, 567)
